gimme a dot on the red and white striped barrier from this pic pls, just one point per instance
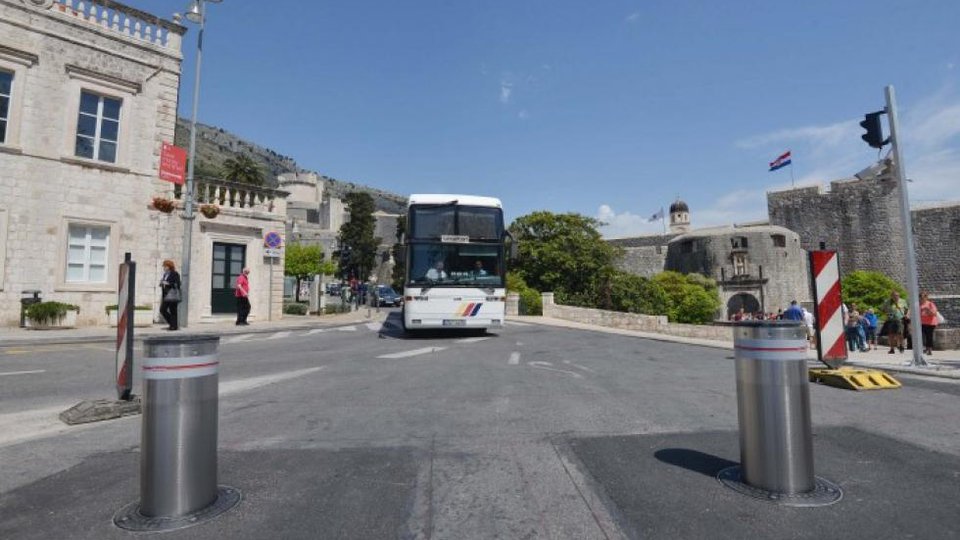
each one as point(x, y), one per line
point(124, 355)
point(831, 342)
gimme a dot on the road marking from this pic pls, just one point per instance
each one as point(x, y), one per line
point(347, 329)
point(241, 385)
point(547, 366)
point(279, 335)
point(374, 326)
point(514, 359)
point(315, 331)
point(473, 339)
point(515, 323)
point(585, 368)
point(237, 339)
point(414, 352)
point(23, 372)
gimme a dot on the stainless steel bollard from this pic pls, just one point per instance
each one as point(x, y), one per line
point(178, 448)
point(178, 452)
point(773, 408)
point(773, 405)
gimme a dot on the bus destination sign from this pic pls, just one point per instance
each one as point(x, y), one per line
point(454, 239)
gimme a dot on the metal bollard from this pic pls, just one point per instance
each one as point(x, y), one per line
point(773, 408)
point(178, 447)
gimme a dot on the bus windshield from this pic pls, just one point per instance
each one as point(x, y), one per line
point(475, 222)
point(466, 265)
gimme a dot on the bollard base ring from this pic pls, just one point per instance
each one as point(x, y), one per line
point(130, 518)
point(824, 491)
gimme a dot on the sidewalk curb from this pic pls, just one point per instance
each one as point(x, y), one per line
point(226, 331)
point(953, 374)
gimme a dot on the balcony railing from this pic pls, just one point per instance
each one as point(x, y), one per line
point(125, 20)
point(235, 195)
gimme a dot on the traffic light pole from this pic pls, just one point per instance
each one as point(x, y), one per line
point(909, 252)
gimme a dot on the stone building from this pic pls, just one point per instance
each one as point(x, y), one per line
point(860, 218)
point(756, 266)
point(315, 218)
point(88, 93)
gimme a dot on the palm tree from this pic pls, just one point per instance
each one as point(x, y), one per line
point(243, 169)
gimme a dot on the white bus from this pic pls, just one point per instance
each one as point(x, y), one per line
point(456, 262)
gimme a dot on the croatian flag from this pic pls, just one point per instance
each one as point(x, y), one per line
point(656, 217)
point(781, 161)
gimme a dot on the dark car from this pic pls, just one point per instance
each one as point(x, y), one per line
point(386, 296)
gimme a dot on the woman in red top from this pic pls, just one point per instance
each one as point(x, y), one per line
point(242, 292)
point(928, 321)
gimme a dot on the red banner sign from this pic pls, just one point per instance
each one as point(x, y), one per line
point(173, 163)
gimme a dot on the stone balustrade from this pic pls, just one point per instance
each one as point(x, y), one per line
point(237, 196)
point(127, 21)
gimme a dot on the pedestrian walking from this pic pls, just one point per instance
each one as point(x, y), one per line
point(895, 309)
point(929, 319)
point(170, 295)
point(794, 312)
point(853, 330)
point(870, 326)
point(242, 292)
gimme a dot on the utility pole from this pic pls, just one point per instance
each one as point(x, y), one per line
point(909, 252)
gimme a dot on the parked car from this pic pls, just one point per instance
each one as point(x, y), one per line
point(386, 296)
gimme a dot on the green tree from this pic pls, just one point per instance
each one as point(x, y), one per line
point(636, 294)
point(563, 253)
point(358, 245)
point(867, 289)
point(530, 301)
point(399, 262)
point(692, 298)
point(302, 262)
point(243, 169)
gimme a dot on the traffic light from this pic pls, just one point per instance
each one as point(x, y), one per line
point(874, 134)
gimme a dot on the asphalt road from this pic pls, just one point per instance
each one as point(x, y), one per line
point(529, 432)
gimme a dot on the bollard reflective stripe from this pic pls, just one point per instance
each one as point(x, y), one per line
point(180, 368)
point(769, 349)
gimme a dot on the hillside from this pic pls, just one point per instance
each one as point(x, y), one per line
point(215, 145)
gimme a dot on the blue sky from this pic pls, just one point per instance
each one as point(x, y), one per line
point(610, 109)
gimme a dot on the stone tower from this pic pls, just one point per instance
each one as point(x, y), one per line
point(679, 217)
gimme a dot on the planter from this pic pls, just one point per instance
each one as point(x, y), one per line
point(209, 211)
point(163, 204)
point(69, 320)
point(141, 317)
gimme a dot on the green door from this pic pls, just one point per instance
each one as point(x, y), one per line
point(228, 262)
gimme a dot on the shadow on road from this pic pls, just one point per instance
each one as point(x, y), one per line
point(693, 460)
point(393, 329)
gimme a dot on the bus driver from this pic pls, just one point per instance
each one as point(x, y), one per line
point(436, 273)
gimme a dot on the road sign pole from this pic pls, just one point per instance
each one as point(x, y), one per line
point(270, 293)
point(909, 252)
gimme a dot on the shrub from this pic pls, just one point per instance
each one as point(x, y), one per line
point(636, 294)
point(530, 301)
point(295, 309)
point(692, 298)
point(49, 312)
point(868, 289)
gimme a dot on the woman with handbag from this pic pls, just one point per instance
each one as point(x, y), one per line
point(929, 319)
point(170, 294)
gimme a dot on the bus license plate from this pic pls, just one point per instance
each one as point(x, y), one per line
point(454, 322)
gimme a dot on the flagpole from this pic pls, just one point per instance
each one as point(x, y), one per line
point(792, 183)
point(663, 220)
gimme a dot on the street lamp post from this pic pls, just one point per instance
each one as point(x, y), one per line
point(196, 13)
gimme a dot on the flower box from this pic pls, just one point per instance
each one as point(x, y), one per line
point(142, 316)
point(51, 315)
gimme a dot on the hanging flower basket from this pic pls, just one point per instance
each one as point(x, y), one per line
point(210, 211)
point(163, 204)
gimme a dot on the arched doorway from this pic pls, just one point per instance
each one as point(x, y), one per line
point(747, 301)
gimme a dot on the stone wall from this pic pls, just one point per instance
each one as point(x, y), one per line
point(643, 261)
point(632, 321)
point(861, 219)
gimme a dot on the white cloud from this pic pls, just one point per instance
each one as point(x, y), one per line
point(506, 90)
point(633, 17)
point(623, 224)
point(930, 134)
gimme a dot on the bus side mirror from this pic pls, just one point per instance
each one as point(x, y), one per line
point(514, 250)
